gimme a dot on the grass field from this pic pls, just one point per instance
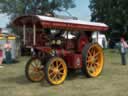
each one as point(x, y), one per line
point(112, 82)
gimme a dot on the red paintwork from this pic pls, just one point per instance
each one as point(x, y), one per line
point(74, 61)
point(40, 38)
point(83, 40)
point(70, 44)
point(29, 38)
point(71, 49)
point(44, 49)
point(62, 52)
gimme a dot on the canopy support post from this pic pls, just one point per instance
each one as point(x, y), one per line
point(34, 34)
point(24, 34)
point(97, 36)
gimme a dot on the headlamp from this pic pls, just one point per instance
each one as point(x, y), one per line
point(58, 42)
point(53, 42)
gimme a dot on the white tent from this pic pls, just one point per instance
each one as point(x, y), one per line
point(100, 39)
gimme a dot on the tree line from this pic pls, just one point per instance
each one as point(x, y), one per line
point(112, 12)
point(15, 8)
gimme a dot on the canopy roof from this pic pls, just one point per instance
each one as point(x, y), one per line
point(57, 23)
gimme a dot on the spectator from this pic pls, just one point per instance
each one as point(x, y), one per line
point(8, 57)
point(123, 46)
point(1, 56)
point(103, 42)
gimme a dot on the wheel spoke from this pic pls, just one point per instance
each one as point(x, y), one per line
point(61, 69)
point(91, 50)
point(54, 77)
point(96, 59)
point(88, 60)
point(59, 76)
point(57, 70)
point(34, 76)
point(37, 77)
point(51, 74)
point(35, 70)
point(41, 67)
point(33, 64)
point(31, 67)
point(93, 60)
point(89, 53)
point(89, 65)
point(58, 64)
point(97, 65)
point(31, 71)
point(95, 68)
point(41, 72)
point(98, 53)
point(36, 63)
point(52, 66)
point(60, 73)
point(91, 68)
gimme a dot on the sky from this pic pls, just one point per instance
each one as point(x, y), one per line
point(81, 11)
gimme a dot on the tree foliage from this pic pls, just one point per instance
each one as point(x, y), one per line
point(20, 7)
point(15, 8)
point(112, 12)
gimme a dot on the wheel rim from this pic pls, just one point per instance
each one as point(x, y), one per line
point(57, 71)
point(94, 60)
point(36, 70)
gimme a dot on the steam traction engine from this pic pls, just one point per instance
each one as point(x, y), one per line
point(59, 45)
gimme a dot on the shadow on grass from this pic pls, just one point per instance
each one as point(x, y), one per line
point(13, 62)
point(22, 80)
point(74, 74)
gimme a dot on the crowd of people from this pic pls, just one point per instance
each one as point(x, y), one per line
point(7, 52)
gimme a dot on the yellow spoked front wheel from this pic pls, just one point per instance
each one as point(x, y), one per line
point(34, 70)
point(93, 59)
point(56, 71)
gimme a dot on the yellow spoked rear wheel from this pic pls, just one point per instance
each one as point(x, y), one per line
point(34, 70)
point(93, 59)
point(56, 71)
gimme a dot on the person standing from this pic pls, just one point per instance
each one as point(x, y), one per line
point(123, 46)
point(103, 42)
point(1, 56)
point(8, 56)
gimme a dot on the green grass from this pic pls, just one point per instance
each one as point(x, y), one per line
point(112, 82)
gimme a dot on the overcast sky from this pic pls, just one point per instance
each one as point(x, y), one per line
point(81, 11)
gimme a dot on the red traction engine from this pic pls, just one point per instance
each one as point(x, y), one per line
point(60, 45)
